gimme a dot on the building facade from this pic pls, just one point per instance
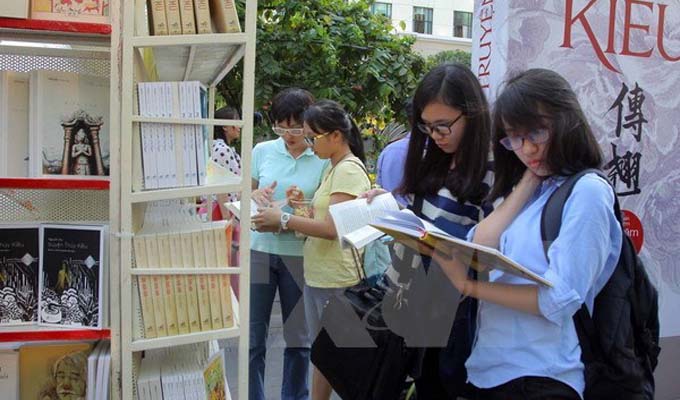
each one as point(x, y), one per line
point(438, 25)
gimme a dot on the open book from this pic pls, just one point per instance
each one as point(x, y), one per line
point(352, 219)
point(235, 207)
point(404, 226)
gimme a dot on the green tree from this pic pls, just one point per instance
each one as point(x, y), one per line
point(336, 49)
point(448, 56)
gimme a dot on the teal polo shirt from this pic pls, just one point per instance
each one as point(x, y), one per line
point(272, 162)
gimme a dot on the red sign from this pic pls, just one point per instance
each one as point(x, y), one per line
point(633, 228)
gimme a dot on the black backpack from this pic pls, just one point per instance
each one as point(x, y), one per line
point(620, 342)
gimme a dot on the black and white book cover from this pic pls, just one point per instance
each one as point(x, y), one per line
point(19, 255)
point(71, 271)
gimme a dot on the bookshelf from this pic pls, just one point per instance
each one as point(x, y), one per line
point(27, 45)
point(207, 58)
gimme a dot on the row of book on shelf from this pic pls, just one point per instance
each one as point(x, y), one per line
point(56, 371)
point(54, 124)
point(173, 155)
point(181, 304)
point(187, 372)
point(53, 275)
point(186, 17)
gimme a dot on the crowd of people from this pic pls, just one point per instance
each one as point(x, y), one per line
point(478, 173)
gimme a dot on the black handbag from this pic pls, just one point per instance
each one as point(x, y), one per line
point(358, 354)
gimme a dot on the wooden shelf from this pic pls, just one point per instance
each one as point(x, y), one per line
point(205, 58)
point(186, 271)
point(157, 343)
point(54, 184)
point(36, 333)
point(63, 27)
point(228, 185)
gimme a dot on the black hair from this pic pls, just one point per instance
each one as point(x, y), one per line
point(427, 167)
point(224, 113)
point(289, 105)
point(327, 116)
point(540, 98)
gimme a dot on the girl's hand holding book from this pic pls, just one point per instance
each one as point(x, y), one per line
point(371, 194)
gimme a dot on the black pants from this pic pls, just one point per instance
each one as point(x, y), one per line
point(529, 388)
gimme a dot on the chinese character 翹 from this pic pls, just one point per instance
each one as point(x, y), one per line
point(625, 170)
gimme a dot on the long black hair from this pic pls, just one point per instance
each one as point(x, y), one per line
point(224, 113)
point(428, 168)
point(540, 98)
point(289, 105)
point(327, 116)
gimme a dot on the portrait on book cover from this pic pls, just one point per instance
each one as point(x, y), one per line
point(55, 372)
point(70, 273)
point(19, 251)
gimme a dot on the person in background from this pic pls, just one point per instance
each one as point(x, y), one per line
point(390, 168)
point(329, 269)
point(276, 258)
point(225, 154)
point(527, 346)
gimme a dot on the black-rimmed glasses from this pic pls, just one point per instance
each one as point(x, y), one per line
point(441, 129)
point(535, 136)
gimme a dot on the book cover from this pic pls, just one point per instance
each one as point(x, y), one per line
point(213, 279)
point(69, 125)
point(223, 234)
point(225, 16)
point(214, 378)
point(90, 11)
point(158, 23)
point(202, 10)
point(19, 276)
point(14, 94)
point(192, 282)
point(54, 371)
point(407, 228)
point(145, 288)
point(172, 13)
point(71, 275)
point(168, 285)
point(187, 16)
point(9, 374)
point(180, 284)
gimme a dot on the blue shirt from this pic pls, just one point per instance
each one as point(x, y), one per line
point(390, 168)
point(512, 344)
point(272, 162)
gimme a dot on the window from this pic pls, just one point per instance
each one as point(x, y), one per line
point(462, 24)
point(422, 20)
point(382, 9)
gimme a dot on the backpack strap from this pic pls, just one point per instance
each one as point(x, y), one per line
point(551, 222)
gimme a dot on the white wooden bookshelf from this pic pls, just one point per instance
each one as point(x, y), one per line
point(207, 58)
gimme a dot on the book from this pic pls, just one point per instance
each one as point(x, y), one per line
point(40, 364)
point(213, 279)
point(202, 286)
point(71, 275)
point(214, 377)
point(202, 11)
point(225, 16)
point(352, 219)
point(192, 282)
point(14, 94)
point(145, 288)
point(156, 285)
point(405, 227)
point(180, 284)
point(92, 361)
point(168, 282)
point(68, 125)
point(19, 275)
point(172, 13)
point(186, 11)
point(158, 23)
point(90, 11)
point(9, 374)
point(223, 235)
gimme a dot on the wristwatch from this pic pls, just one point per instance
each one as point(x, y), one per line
point(285, 217)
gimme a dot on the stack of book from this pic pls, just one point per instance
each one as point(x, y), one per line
point(33, 371)
point(189, 372)
point(187, 17)
point(181, 304)
point(173, 155)
point(53, 275)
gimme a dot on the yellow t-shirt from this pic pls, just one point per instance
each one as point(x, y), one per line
point(326, 264)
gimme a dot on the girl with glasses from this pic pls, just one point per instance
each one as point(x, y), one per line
point(276, 258)
point(527, 346)
point(329, 269)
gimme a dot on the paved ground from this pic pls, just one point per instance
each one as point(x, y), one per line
point(274, 368)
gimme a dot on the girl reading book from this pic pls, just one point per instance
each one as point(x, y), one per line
point(329, 269)
point(527, 346)
point(446, 179)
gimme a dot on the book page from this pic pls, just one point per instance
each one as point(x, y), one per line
point(350, 216)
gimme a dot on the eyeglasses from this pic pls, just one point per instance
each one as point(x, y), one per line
point(443, 129)
point(536, 136)
point(311, 140)
point(291, 131)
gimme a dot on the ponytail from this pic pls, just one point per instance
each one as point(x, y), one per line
point(356, 143)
